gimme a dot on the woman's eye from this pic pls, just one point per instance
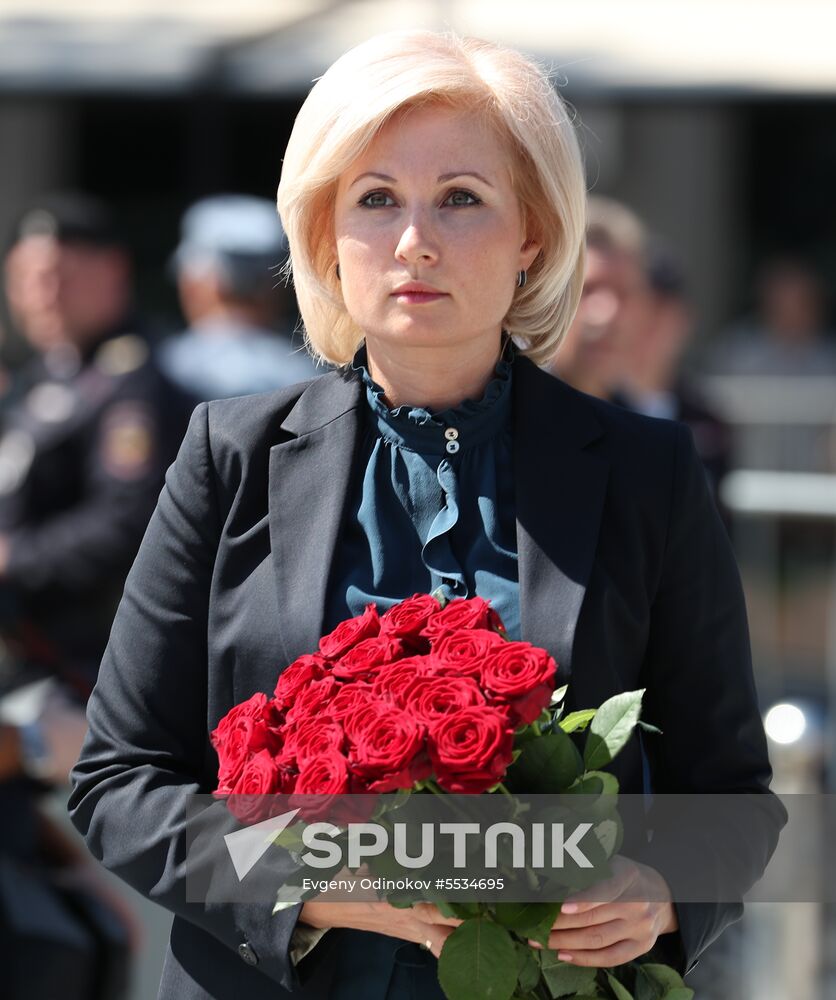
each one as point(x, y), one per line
point(461, 198)
point(377, 199)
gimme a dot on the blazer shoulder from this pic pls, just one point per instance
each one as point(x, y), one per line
point(242, 430)
point(630, 429)
point(245, 422)
point(623, 431)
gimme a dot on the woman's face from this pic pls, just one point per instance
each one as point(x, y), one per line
point(429, 232)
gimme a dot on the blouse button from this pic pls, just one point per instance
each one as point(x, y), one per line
point(452, 447)
point(451, 433)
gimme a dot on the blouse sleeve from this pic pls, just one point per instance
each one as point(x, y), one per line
point(701, 694)
point(147, 745)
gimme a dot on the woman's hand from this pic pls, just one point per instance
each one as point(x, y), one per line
point(422, 923)
point(615, 921)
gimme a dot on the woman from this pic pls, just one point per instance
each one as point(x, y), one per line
point(433, 196)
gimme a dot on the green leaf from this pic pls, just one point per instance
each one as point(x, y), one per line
point(528, 968)
point(608, 832)
point(529, 920)
point(290, 837)
point(564, 979)
point(612, 726)
point(547, 765)
point(400, 901)
point(600, 796)
point(478, 962)
point(679, 993)
point(620, 990)
point(661, 975)
point(595, 783)
point(463, 911)
point(577, 720)
point(648, 728)
point(647, 989)
point(558, 695)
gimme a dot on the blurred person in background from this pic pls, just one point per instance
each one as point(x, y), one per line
point(614, 290)
point(88, 429)
point(651, 379)
point(233, 298)
point(631, 329)
point(787, 335)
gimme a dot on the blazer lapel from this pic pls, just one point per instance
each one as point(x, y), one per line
point(560, 487)
point(310, 479)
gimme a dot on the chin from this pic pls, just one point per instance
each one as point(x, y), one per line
point(415, 333)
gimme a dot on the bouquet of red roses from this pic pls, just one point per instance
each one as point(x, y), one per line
point(385, 703)
point(433, 696)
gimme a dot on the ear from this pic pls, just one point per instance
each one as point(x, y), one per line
point(528, 253)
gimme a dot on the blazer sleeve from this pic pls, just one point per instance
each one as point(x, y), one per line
point(147, 745)
point(700, 692)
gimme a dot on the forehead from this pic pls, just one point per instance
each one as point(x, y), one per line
point(436, 136)
point(611, 266)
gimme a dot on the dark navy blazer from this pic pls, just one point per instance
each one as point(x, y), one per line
point(626, 575)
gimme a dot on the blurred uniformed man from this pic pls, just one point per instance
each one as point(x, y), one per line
point(239, 312)
point(87, 431)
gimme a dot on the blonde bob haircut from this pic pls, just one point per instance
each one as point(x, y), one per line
point(394, 72)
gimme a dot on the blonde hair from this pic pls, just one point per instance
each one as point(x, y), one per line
point(350, 104)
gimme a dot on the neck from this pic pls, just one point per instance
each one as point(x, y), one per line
point(436, 378)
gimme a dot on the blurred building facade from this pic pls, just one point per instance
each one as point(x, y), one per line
point(719, 134)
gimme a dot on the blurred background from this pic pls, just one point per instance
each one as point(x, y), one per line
point(709, 131)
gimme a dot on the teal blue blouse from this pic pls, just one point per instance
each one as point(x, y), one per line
point(434, 506)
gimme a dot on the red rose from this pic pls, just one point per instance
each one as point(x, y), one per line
point(521, 676)
point(355, 720)
point(408, 618)
point(313, 699)
point(311, 738)
point(349, 633)
point(393, 681)
point(430, 697)
point(326, 774)
point(242, 732)
point(471, 749)
point(349, 697)
point(475, 612)
point(298, 675)
point(465, 651)
point(253, 797)
point(387, 749)
point(363, 659)
point(321, 779)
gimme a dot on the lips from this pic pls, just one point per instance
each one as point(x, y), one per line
point(417, 292)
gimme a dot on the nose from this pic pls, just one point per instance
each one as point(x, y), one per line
point(417, 242)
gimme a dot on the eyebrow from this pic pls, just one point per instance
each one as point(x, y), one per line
point(442, 178)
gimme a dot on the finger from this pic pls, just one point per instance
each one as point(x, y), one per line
point(615, 954)
point(589, 938)
point(601, 914)
point(606, 891)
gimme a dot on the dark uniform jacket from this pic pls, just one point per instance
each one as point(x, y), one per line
point(84, 446)
point(625, 572)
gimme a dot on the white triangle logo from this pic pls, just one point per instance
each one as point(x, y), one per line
point(248, 846)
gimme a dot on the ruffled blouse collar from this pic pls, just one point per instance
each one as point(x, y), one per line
point(447, 431)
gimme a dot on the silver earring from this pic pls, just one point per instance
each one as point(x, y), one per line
point(522, 277)
point(338, 273)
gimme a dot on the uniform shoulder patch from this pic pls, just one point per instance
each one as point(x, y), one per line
point(127, 441)
point(121, 355)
